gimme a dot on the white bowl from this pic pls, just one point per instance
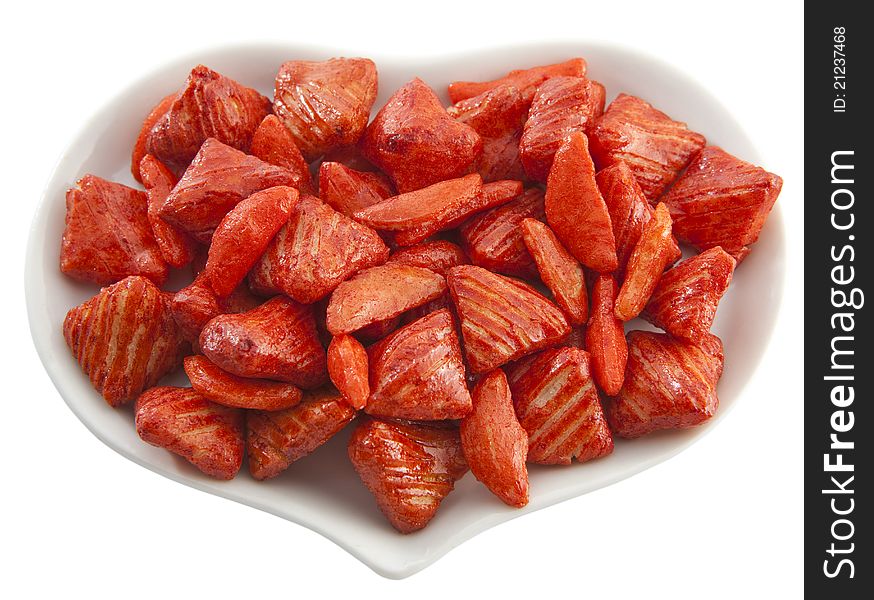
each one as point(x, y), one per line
point(322, 492)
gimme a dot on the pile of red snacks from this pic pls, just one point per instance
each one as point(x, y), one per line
point(455, 283)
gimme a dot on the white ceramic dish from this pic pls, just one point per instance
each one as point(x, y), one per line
point(322, 492)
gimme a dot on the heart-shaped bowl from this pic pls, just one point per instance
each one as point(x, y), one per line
point(323, 492)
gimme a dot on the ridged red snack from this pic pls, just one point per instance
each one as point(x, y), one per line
point(209, 106)
point(316, 251)
point(646, 264)
point(655, 147)
point(276, 439)
point(627, 205)
point(381, 293)
point(277, 340)
point(206, 434)
point(325, 104)
point(417, 372)
point(684, 302)
point(605, 337)
point(498, 116)
point(575, 210)
point(418, 215)
point(415, 141)
point(348, 191)
point(561, 106)
point(560, 271)
point(274, 144)
point(409, 467)
point(177, 248)
point(558, 405)
point(524, 80)
point(669, 384)
point(107, 234)
point(125, 339)
point(722, 201)
point(244, 234)
point(217, 180)
point(348, 369)
point(501, 319)
point(227, 389)
point(494, 443)
point(438, 256)
point(155, 115)
point(493, 239)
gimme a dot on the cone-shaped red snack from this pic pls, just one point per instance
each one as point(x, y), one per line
point(605, 337)
point(348, 369)
point(274, 144)
point(347, 190)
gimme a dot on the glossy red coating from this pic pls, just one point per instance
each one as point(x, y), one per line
point(276, 439)
point(348, 369)
point(347, 190)
point(655, 147)
point(557, 404)
point(125, 339)
point(669, 384)
point(495, 444)
point(325, 104)
point(317, 250)
point(438, 256)
point(605, 337)
point(415, 141)
point(575, 210)
point(277, 340)
point(722, 201)
point(107, 234)
point(627, 205)
point(409, 467)
point(417, 372)
point(501, 320)
point(244, 234)
point(227, 389)
point(177, 247)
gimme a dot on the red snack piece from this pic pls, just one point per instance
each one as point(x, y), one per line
point(560, 271)
point(409, 467)
point(722, 201)
point(575, 209)
point(380, 293)
point(684, 302)
point(316, 251)
point(669, 384)
point(348, 369)
point(561, 106)
point(605, 337)
point(196, 304)
point(226, 389)
point(493, 239)
point(498, 116)
point(494, 443)
point(417, 372)
point(655, 147)
point(107, 234)
point(325, 104)
point(278, 438)
point(277, 340)
point(628, 207)
point(646, 264)
point(524, 80)
point(206, 434)
point(274, 144)
point(501, 320)
point(217, 180)
point(438, 256)
point(177, 248)
point(347, 190)
point(209, 106)
point(445, 205)
point(125, 339)
point(415, 141)
point(557, 404)
point(139, 152)
point(376, 331)
point(243, 235)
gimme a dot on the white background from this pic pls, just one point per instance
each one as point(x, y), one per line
point(722, 519)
